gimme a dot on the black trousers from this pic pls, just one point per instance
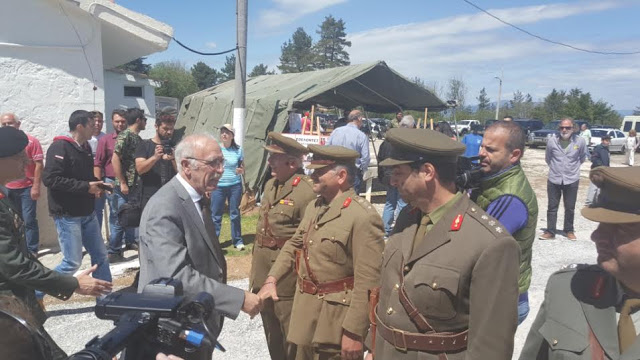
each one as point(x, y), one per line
point(569, 194)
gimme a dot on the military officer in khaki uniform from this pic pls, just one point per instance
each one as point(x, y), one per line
point(285, 199)
point(593, 311)
point(336, 253)
point(449, 283)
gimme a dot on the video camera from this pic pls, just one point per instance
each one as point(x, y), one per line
point(160, 319)
point(468, 173)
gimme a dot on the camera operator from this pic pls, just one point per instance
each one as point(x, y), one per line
point(155, 161)
point(505, 194)
point(20, 272)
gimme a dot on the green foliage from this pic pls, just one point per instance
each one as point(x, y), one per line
point(228, 71)
point(136, 65)
point(553, 105)
point(204, 75)
point(297, 55)
point(330, 49)
point(483, 100)
point(521, 106)
point(260, 69)
point(457, 91)
point(176, 80)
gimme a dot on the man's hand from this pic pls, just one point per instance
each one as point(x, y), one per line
point(35, 192)
point(162, 356)
point(158, 152)
point(124, 188)
point(252, 304)
point(95, 189)
point(352, 347)
point(269, 289)
point(87, 285)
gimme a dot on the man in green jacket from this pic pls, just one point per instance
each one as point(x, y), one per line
point(20, 273)
point(505, 193)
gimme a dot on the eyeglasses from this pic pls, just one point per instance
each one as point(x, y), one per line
point(566, 127)
point(215, 164)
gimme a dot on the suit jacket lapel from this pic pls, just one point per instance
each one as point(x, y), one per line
point(440, 233)
point(190, 209)
point(601, 316)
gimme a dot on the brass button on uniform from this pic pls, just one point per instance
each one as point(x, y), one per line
point(316, 227)
point(344, 301)
point(310, 242)
point(554, 342)
point(389, 311)
point(434, 285)
point(407, 268)
point(396, 286)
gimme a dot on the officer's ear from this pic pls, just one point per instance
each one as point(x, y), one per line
point(428, 171)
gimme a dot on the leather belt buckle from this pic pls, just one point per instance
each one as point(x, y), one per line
point(395, 333)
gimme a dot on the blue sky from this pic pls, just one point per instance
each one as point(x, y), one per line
point(435, 40)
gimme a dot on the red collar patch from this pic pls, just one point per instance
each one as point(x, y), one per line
point(296, 181)
point(596, 288)
point(346, 202)
point(457, 222)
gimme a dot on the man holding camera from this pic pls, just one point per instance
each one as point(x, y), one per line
point(155, 161)
point(505, 194)
point(449, 283)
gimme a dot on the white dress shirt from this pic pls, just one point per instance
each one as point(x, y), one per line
point(193, 194)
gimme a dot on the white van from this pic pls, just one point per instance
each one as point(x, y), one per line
point(630, 122)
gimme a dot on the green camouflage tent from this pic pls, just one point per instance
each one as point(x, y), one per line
point(374, 86)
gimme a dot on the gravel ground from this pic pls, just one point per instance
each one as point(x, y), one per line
point(73, 324)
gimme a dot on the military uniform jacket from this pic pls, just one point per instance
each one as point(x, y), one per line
point(20, 275)
point(463, 275)
point(284, 210)
point(576, 300)
point(347, 240)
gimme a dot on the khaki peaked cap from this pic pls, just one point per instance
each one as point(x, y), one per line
point(619, 198)
point(420, 145)
point(281, 144)
point(326, 155)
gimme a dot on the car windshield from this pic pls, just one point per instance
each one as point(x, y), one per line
point(552, 125)
point(598, 133)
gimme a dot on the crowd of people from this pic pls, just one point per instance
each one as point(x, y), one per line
point(447, 276)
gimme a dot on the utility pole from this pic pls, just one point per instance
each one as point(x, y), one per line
point(239, 100)
point(499, 94)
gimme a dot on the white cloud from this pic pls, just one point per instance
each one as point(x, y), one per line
point(211, 45)
point(288, 11)
point(476, 47)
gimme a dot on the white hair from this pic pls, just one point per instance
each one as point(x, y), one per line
point(187, 147)
point(407, 122)
point(15, 117)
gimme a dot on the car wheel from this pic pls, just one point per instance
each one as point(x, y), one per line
point(464, 132)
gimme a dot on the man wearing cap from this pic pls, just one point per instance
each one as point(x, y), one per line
point(286, 196)
point(591, 311)
point(336, 253)
point(20, 272)
point(449, 283)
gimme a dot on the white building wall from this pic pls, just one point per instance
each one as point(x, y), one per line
point(44, 73)
point(115, 99)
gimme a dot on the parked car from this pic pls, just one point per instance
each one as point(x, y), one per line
point(617, 139)
point(539, 137)
point(529, 125)
point(464, 126)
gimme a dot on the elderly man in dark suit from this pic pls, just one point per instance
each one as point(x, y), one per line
point(177, 240)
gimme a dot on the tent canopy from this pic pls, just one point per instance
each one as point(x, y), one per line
point(373, 86)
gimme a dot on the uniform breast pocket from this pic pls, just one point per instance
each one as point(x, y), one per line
point(564, 342)
point(335, 242)
point(434, 291)
point(283, 214)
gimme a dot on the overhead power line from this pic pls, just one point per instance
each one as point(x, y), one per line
point(204, 53)
point(549, 40)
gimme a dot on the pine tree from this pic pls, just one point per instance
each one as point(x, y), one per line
point(296, 53)
point(204, 75)
point(138, 65)
point(330, 49)
point(228, 71)
point(260, 69)
point(483, 100)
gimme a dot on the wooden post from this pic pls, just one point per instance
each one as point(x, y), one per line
point(431, 123)
point(313, 110)
point(419, 122)
point(318, 127)
point(425, 117)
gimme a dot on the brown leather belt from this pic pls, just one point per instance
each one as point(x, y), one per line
point(329, 287)
point(271, 242)
point(437, 342)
